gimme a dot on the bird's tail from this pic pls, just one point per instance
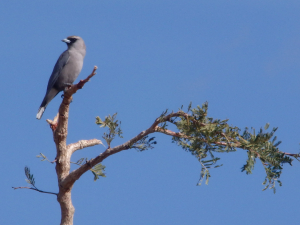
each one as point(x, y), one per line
point(48, 97)
point(40, 112)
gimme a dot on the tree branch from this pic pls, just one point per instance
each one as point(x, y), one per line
point(180, 135)
point(83, 144)
point(60, 131)
point(292, 154)
point(76, 174)
point(237, 144)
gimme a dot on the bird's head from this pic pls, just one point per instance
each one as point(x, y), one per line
point(75, 42)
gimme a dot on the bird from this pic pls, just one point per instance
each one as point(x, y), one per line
point(65, 71)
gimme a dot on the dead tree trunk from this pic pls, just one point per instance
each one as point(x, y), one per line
point(64, 152)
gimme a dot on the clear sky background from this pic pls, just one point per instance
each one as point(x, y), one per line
point(243, 57)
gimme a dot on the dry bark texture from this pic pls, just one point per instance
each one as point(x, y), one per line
point(64, 152)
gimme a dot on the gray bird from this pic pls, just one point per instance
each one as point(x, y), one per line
point(65, 71)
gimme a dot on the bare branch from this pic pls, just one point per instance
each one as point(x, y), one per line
point(76, 174)
point(83, 144)
point(53, 123)
point(35, 189)
point(291, 154)
point(82, 82)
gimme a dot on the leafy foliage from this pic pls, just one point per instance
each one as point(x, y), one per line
point(113, 126)
point(259, 146)
point(203, 136)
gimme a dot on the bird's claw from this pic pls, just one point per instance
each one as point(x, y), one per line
point(67, 86)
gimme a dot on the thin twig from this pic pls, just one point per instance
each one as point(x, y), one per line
point(181, 135)
point(35, 189)
point(291, 154)
point(82, 82)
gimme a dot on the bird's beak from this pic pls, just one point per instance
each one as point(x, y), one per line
point(66, 41)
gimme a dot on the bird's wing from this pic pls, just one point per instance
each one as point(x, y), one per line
point(61, 62)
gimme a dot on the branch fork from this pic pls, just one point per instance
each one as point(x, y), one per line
point(66, 179)
point(59, 126)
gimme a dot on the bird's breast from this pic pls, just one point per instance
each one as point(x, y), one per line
point(70, 71)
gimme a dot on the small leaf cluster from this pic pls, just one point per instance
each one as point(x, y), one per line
point(97, 170)
point(144, 143)
point(264, 147)
point(44, 158)
point(206, 165)
point(30, 179)
point(113, 126)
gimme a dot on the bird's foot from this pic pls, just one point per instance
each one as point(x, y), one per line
point(63, 95)
point(67, 86)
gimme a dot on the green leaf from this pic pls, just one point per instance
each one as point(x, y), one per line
point(97, 171)
point(29, 176)
point(267, 126)
point(113, 127)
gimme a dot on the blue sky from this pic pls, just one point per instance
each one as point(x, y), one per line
point(240, 56)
